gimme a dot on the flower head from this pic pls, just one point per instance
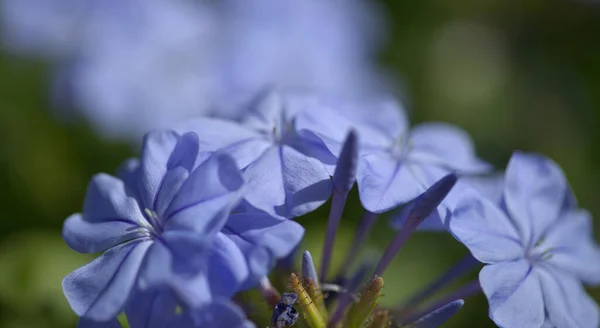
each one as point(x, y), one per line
point(396, 163)
point(158, 224)
point(282, 167)
point(537, 246)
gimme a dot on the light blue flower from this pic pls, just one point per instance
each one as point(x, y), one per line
point(282, 168)
point(158, 224)
point(143, 64)
point(47, 28)
point(220, 312)
point(537, 246)
point(396, 163)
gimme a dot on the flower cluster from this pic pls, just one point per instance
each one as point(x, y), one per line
point(208, 209)
point(254, 116)
point(131, 66)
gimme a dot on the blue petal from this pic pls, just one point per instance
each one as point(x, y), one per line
point(87, 323)
point(439, 316)
point(107, 200)
point(329, 126)
point(514, 294)
point(162, 152)
point(385, 183)
point(287, 183)
point(99, 290)
point(175, 253)
point(262, 238)
point(129, 172)
point(567, 303)
point(572, 246)
point(206, 198)
point(485, 230)
point(110, 216)
point(170, 187)
point(220, 313)
point(534, 192)
point(243, 144)
point(445, 145)
point(277, 235)
point(227, 268)
point(156, 151)
point(150, 309)
point(88, 237)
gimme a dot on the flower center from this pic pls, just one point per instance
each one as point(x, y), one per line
point(152, 224)
point(539, 252)
point(400, 147)
point(280, 131)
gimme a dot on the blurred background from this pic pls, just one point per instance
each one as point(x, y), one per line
point(516, 75)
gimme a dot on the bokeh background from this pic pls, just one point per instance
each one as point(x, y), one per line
point(514, 74)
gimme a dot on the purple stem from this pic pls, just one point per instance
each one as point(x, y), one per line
point(464, 266)
point(470, 289)
point(362, 231)
point(335, 215)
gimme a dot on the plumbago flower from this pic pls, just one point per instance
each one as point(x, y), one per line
point(283, 169)
point(356, 306)
point(396, 164)
point(165, 222)
point(537, 246)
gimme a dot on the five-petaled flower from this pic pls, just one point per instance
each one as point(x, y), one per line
point(537, 246)
point(158, 225)
point(396, 163)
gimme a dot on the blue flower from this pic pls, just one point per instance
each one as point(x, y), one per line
point(220, 312)
point(50, 28)
point(537, 246)
point(280, 165)
point(140, 65)
point(396, 164)
point(158, 224)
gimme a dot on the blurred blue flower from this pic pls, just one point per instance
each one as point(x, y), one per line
point(280, 166)
point(141, 65)
point(158, 225)
point(537, 245)
point(220, 312)
point(47, 28)
point(396, 164)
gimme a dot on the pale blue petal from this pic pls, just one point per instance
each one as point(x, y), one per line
point(287, 183)
point(534, 192)
point(87, 323)
point(330, 127)
point(263, 239)
point(93, 237)
point(243, 144)
point(220, 313)
point(170, 187)
point(567, 303)
point(445, 145)
point(485, 230)
point(128, 172)
point(156, 150)
point(384, 182)
point(439, 316)
point(179, 254)
point(99, 290)
point(572, 246)
point(514, 294)
point(107, 200)
point(163, 151)
point(206, 198)
point(261, 229)
point(227, 268)
point(151, 308)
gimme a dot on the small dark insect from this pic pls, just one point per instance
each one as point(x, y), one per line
point(284, 314)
